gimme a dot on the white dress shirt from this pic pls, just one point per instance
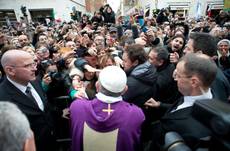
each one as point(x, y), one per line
point(33, 92)
point(190, 100)
point(108, 99)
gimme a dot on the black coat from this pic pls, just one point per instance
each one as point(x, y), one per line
point(167, 91)
point(220, 87)
point(96, 19)
point(141, 84)
point(109, 17)
point(224, 62)
point(40, 121)
point(161, 18)
point(182, 122)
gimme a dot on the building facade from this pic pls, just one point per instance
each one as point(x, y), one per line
point(191, 8)
point(36, 10)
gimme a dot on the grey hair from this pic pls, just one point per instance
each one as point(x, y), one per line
point(14, 128)
point(107, 92)
point(5, 59)
point(9, 56)
point(202, 66)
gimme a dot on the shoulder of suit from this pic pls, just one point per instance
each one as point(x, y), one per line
point(2, 87)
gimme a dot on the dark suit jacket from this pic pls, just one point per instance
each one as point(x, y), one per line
point(167, 91)
point(220, 87)
point(40, 121)
point(182, 122)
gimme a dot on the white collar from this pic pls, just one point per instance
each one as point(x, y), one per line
point(108, 99)
point(17, 85)
point(190, 100)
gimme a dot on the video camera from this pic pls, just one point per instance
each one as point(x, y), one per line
point(215, 116)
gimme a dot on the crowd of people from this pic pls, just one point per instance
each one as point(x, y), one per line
point(112, 84)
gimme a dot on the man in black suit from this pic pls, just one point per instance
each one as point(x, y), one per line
point(21, 88)
point(166, 86)
point(206, 44)
point(194, 75)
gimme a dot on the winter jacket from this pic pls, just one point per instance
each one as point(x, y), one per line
point(141, 84)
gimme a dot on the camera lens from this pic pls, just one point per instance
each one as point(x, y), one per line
point(174, 142)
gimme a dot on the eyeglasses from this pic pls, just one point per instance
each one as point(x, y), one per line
point(179, 76)
point(29, 65)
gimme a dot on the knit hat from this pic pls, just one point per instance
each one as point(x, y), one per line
point(223, 40)
point(113, 79)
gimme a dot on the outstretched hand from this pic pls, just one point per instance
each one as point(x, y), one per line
point(47, 79)
point(65, 113)
point(152, 103)
point(91, 69)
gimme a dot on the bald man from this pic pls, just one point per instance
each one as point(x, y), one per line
point(23, 41)
point(21, 88)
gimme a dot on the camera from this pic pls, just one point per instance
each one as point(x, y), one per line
point(174, 142)
point(54, 75)
point(214, 115)
point(46, 63)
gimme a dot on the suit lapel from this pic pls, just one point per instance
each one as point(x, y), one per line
point(175, 105)
point(179, 114)
point(40, 92)
point(18, 96)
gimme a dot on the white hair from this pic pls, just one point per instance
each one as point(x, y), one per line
point(11, 55)
point(14, 128)
point(224, 41)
